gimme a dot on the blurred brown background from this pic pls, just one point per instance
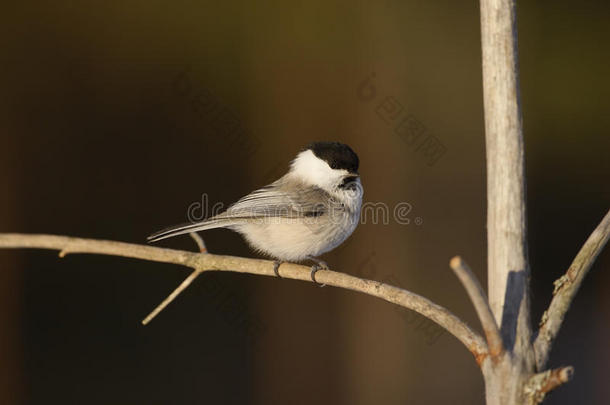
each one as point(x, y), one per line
point(115, 117)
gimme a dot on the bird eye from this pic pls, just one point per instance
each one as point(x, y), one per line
point(349, 182)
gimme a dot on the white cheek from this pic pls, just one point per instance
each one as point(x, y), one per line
point(315, 171)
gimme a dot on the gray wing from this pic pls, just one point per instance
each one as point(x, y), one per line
point(282, 199)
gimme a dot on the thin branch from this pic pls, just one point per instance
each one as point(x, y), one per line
point(187, 281)
point(566, 288)
point(200, 243)
point(542, 383)
point(209, 262)
point(481, 305)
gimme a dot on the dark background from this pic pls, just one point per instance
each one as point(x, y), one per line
point(116, 116)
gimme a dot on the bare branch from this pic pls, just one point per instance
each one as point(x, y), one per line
point(481, 305)
point(208, 262)
point(508, 270)
point(187, 281)
point(507, 263)
point(540, 384)
point(506, 228)
point(200, 243)
point(566, 288)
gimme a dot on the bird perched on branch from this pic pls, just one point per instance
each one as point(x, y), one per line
point(309, 211)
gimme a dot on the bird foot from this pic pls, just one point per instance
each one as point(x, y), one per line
point(276, 268)
point(320, 265)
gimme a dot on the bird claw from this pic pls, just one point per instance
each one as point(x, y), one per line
point(314, 270)
point(320, 265)
point(276, 268)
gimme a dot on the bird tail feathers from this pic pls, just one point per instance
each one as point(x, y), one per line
point(188, 228)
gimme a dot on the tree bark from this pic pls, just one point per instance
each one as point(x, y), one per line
point(508, 270)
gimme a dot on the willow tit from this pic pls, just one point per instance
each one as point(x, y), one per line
point(309, 211)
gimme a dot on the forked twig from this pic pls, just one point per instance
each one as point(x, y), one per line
point(187, 281)
point(566, 288)
point(481, 304)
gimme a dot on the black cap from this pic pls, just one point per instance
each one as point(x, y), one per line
point(337, 155)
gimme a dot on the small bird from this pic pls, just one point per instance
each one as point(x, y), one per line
point(309, 211)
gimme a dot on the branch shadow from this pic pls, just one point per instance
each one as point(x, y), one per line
point(515, 290)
